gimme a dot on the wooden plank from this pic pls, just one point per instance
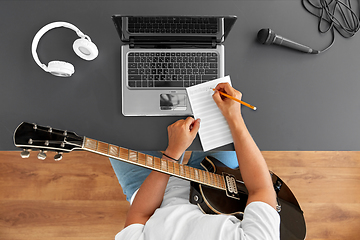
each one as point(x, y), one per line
point(76, 198)
point(327, 186)
point(327, 159)
point(79, 176)
point(49, 219)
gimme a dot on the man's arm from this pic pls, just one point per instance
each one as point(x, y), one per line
point(150, 195)
point(253, 168)
point(148, 198)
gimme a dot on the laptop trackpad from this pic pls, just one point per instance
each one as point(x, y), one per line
point(173, 101)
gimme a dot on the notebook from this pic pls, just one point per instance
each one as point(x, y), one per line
point(162, 55)
point(214, 130)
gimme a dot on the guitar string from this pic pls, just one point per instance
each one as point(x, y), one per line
point(212, 176)
point(212, 179)
point(58, 134)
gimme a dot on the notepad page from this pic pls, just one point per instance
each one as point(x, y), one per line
point(214, 130)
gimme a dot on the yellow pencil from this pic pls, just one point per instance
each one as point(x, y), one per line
point(235, 99)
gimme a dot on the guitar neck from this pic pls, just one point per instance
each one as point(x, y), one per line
point(155, 163)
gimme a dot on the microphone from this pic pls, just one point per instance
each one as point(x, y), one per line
point(268, 36)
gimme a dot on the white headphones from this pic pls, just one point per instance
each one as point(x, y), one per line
point(83, 47)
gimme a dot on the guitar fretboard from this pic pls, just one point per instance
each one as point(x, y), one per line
point(155, 163)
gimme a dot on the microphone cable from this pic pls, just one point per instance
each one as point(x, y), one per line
point(334, 15)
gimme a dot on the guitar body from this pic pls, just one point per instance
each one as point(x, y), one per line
point(214, 201)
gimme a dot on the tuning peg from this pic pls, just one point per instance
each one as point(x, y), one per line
point(41, 155)
point(25, 154)
point(58, 156)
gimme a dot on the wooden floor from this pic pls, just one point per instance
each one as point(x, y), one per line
point(80, 198)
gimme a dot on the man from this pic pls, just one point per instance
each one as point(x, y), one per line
point(160, 208)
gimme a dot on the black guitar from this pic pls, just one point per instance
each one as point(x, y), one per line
point(216, 190)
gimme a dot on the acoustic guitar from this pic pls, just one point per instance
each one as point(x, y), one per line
point(215, 190)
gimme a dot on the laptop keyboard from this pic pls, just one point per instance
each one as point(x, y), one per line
point(171, 69)
point(204, 25)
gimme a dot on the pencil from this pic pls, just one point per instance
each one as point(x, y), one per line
point(235, 99)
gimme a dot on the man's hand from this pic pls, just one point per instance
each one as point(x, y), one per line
point(181, 134)
point(228, 107)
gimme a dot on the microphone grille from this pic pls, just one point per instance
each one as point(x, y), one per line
point(265, 36)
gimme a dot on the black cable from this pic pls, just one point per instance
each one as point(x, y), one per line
point(334, 15)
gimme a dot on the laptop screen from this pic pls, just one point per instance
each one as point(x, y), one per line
point(173, 29)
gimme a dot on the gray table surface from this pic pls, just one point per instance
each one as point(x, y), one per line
point(305, 102)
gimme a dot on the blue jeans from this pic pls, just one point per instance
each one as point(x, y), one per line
point(131, 176)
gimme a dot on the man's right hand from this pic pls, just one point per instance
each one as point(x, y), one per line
point(228, 107)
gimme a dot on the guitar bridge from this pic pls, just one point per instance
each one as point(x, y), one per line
point(231, 186)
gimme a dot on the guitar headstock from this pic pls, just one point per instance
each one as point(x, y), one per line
point(30, 136)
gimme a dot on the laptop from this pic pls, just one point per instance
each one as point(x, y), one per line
point(162, 55)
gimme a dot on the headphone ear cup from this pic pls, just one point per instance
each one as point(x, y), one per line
point(60, 68)
point(85, 49)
